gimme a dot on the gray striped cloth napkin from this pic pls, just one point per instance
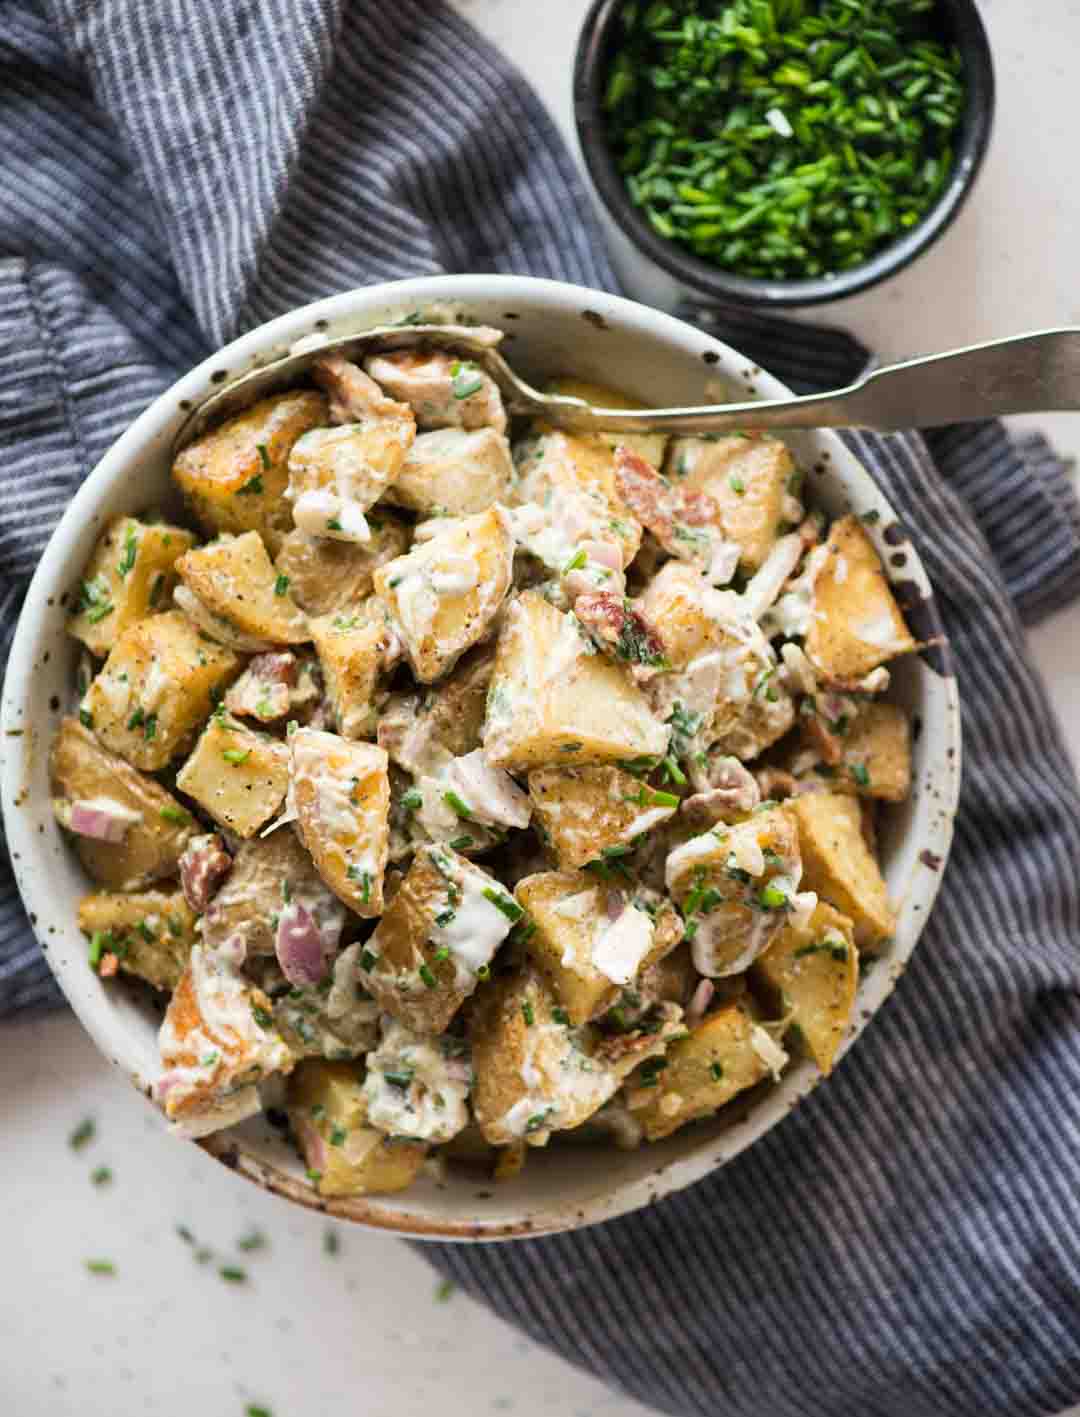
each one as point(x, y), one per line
point(907, 1243)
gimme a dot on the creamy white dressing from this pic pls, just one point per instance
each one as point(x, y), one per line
point(492, 795)
point(698, 848)
point(412, 1089)
point(321, 512)
point(477, 927)
point(771, 1053)
point(879, 631)
point(619, 948)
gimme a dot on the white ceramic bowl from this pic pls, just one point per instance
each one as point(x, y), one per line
point(552, 328)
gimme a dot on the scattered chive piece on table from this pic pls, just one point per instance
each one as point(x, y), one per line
point(233, 1273)
point(101, 1175)
point(101, 1267)
point(254, 1410)
point(82, 1134)
point(783, 139)
point(253, 1240)
point(330, 1243)
point(444, 1291)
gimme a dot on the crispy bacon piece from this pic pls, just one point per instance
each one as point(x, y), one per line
point(263, 690)
point(619, 629)
point(203, 867)
point(670, 513)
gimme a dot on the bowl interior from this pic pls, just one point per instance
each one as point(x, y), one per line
point(960, 21)
point(551, 328)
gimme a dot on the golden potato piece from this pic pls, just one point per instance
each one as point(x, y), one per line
point(553, 700)
point(267, 873)
point(701, 1073)
point(839, 866)
point(444, 594)
point(82, 770)
point(151, 933)
point(588, 942)
point(212, 1055)
point(813, 969)
point(673, 602)
point(735, 886)
point(129, 576)
point(238, 776)
point(352, 653)
point(325, 577)
point(650, 446)
point(234, 579)
point(344, 1156)
point(535, 1074)
point(156, 687)
point(342, 794)
point(559, 465)
point(423, 732)
point(336, 474)
point(454, 473)
point(877, 753)
point(855, 623)
point(584, 811)
point(437, 938)
point(235, 476)
point(748, 476)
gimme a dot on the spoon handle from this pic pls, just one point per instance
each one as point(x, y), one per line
point(1032, 373)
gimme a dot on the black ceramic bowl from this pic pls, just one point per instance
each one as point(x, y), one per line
point(960, 20)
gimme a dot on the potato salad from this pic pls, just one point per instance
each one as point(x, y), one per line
point(457, 783)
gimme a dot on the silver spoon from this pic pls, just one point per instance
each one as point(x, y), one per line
point(1032, 373)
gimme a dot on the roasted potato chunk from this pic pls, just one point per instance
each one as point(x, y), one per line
point(129, 576)
point(444, 594)
point(424, 732)
point(342, 795)
point(454, 473)
point(83, 771)
point(735, 887)
point(535, 1074)
point(556, 467)
point(749, 476)
point(238, 776)
point(353, 651)
point(554, 700)
point(236, 585)
point(325, 577)
point(875, 756)
point(840, 867)
point(588, 941)
point(344, 1156)
point(855, 624)
point(214, 1057)
point(701, 1073)
point(437, 937)
point(336, 474)
point(813, 970)
point(235, 476)
point(585, 811)
point(151, 933)
point(155, 688)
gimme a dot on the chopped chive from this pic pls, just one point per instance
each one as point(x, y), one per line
point(461, 807)
point(443, 1290)
point(252, 487)
point(461, 843)
point(427, 977)
point(411, 800)
point(176, 815)
point(264, 456)
point(236, 756)
point(509, 908)
point(331, 1243)
point(233, 1274)
point(575, 563)
point(253, 1240)
point(82, 1134)
point(101, 1176)
point(368, 960)
point(527, 1014)
point(127, 562)
point(337, 1136)
point(861, 774)
point(101, 1267)
point(86, 718)
point(281, 585)
point(261, 1016)
point(561, 1016)
point(716, 1070)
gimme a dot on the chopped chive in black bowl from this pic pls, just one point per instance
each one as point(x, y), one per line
point(787, 151)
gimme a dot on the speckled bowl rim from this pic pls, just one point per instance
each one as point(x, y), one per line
point(698, 1152)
